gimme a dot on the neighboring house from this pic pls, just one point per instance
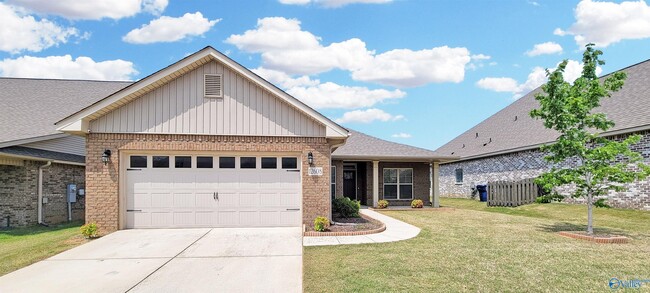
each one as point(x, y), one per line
point(36, 160)
point(205, 142)
point(506, 145)
point(370, 169)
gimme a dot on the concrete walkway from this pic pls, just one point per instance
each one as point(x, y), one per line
point(171, 260)
point(396, 230)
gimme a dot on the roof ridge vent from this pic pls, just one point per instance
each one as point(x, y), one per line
point(213, 85)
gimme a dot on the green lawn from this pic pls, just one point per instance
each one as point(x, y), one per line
point(24, 246)
point(469, 247)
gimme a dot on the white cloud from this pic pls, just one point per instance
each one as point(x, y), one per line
point(480, 57)
point(367, 116)
point(605, 23)
point(536, 78)
point(66, 68)
point(498, 84)
point(333, 3)
point(284, 80)
point(401, 135)
point(21, 32)
point(545, 49)
point(95, 10)
point(170, 29)
point(407, 68)
point(284, 46)
point(559, 32)
point(332, 95)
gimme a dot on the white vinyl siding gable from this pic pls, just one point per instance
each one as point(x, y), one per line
point(180, 107)
point(69, 144)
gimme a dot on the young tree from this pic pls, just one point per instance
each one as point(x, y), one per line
point(593, 164)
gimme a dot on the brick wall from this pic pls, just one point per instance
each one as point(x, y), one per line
point(19, 193)
point(529, 164)
point(102, 204)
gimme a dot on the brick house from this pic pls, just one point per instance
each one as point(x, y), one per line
point(506, 145)
point(205, 142)
point(37, 162)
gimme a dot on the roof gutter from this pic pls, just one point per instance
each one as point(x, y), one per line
point(41, 159)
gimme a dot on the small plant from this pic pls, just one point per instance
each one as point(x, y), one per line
point(417, 204)
point(345, 207)
point(601, 204)
point(321, 224)
point(549, 198)
point(382, 204)
point(89, 230)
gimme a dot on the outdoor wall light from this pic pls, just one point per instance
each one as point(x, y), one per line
point(310, 158)
point(106, 156)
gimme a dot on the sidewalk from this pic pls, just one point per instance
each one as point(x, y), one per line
point(395, 231)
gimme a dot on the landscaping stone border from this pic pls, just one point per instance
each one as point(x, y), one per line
point(596, 239)
point(347, 233)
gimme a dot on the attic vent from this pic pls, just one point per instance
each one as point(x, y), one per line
point(213, 86)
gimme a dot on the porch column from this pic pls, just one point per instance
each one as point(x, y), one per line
point(375, 183)
point(435, 188)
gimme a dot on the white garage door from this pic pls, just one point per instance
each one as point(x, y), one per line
point(178, 191)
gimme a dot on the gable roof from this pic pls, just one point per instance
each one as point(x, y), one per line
point(31, 106)
point(512, 129)
point(360, 146)
point(78, 122)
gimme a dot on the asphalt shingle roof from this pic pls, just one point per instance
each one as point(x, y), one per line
point(364, 146)
point(36, 153)
point(30, 107)
point(512, 128)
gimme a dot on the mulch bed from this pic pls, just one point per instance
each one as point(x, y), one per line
point(359, 226)
point(597, 238)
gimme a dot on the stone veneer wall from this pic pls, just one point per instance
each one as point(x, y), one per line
point(102, 203)
point(19, 193)
point(529, 164)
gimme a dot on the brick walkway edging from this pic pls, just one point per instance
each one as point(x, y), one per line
point(596, 239)
point(346, 233)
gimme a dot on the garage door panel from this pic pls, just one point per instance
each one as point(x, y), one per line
point(176, 198)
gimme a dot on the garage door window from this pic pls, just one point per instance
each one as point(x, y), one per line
point(138, 161)
point(269, 163)
point(204, 162)
point(227, 162)
point(183, 162)
point(289, 163)
point(161, 161)
point(247, 162)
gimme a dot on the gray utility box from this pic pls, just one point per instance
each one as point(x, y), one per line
point(72, 192)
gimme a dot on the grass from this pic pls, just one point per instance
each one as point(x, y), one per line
point(470, 248)
point(24, 246)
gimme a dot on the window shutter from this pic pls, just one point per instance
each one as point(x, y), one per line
point(213, 86)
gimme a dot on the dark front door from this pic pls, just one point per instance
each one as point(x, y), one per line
point(350, 184)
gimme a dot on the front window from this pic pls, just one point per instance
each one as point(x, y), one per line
point(459, 176)
point(333, 182)
point(398, 183)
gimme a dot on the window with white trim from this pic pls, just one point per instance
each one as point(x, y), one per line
point(398, 183)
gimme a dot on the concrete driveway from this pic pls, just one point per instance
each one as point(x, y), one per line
point(171, 260)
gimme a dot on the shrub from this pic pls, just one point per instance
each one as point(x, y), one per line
point(382, 204)
point(345, 207)
point(601, 204)
point(417, 204)
point(321, 224)
point(89, 230)
point(549, 198)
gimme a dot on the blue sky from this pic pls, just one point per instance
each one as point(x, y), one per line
point(416, 72)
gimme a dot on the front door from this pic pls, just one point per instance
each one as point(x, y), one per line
point(350, 184)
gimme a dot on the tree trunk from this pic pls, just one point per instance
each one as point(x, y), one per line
point(590, 217)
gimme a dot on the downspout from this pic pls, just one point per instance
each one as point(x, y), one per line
point(40, 192)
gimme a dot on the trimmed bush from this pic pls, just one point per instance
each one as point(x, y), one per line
point(89, 230)
point(549, 198)
point(382, 204)
point(345, 207)
point(601, 204)
point(417, 204)
point(321, 224)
